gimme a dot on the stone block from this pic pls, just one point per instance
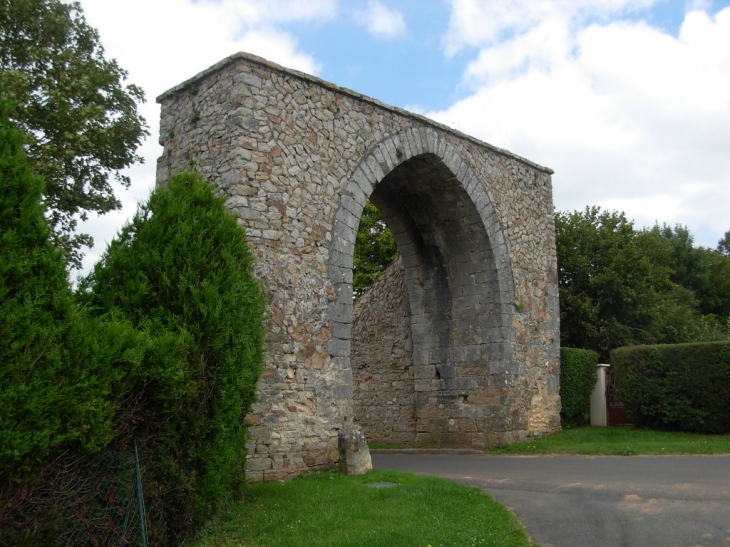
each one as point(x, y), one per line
point(342, 330)
point(339, 313)
point(422, 385)
point(353, 451)
point(424, 372)
point(510, 367)
point(342, 393)
point(460, 384)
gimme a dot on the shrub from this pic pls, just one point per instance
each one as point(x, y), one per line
point(63, 374)
point(60, 367)
point(681, 386)
point(182, 269)
point(577, 379)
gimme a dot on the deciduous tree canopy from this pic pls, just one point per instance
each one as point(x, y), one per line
point(723, 246)
point(621, 286)
point(375, 249)
point(80, 119)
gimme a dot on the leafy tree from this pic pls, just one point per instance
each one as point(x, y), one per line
point(688, 264)
point(182, 266)
point(609, 278)
point(723, 246)
point(375, 249)
point(80, 119)
point(704, 272)
point(620, 286)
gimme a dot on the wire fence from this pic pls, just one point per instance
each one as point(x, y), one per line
point(78, 501)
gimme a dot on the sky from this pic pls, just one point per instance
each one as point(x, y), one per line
point(628, 101)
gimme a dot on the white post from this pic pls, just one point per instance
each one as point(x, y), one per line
point(598, 398)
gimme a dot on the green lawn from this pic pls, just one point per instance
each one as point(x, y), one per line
point(330, 509)
point(619, 441)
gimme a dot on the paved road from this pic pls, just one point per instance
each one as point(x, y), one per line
point(596, 501)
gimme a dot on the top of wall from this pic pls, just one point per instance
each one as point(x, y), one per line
point(254, 59)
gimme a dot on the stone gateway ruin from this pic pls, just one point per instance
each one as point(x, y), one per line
point(456, 345)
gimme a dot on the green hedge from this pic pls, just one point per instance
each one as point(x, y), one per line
point(683, 387)
point(577, 379)
point(64, 372)
point(60, 368)
point(182, 270)
point(163, 345)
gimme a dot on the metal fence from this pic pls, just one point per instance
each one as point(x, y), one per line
point(75, 501)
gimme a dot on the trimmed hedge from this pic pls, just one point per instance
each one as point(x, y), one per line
point(683, 387)
point(577, 379)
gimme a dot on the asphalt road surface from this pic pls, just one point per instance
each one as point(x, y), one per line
point(595, 501)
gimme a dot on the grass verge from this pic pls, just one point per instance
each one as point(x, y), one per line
point(330, 509)
point(619, 441)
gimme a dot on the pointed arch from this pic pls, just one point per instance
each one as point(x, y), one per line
point(458, 275)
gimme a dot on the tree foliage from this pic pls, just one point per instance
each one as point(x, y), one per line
point(375, 249)
point(60, 367)
point(704, 272)
point(182, 268)
point(608, 281)
point(723, 246)
point(80, 119)
point(621, 286)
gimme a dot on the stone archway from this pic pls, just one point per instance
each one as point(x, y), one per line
point(296, 159)
point(458, 282)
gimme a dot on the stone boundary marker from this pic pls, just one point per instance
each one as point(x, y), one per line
point(354, 452)
point(297, 158)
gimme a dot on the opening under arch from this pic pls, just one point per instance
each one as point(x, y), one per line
point(450, 354)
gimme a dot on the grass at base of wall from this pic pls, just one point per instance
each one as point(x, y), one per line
point(619, 441)
point(331, 509)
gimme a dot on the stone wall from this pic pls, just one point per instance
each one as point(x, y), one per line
point(382, 361)
point(297, 159)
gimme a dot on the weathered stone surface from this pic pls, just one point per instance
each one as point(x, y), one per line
point(354, 452)
point(296, 159)
point(382, 361)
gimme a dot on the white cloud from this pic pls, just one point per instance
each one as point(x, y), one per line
point(382, 21)
point(691, 5)
point(484, 22)
point(261, 12)
point(629, 117)
point(164, 42)
point(543, 45)
point(277, 46)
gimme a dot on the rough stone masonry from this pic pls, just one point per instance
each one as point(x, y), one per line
point(297, 159)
